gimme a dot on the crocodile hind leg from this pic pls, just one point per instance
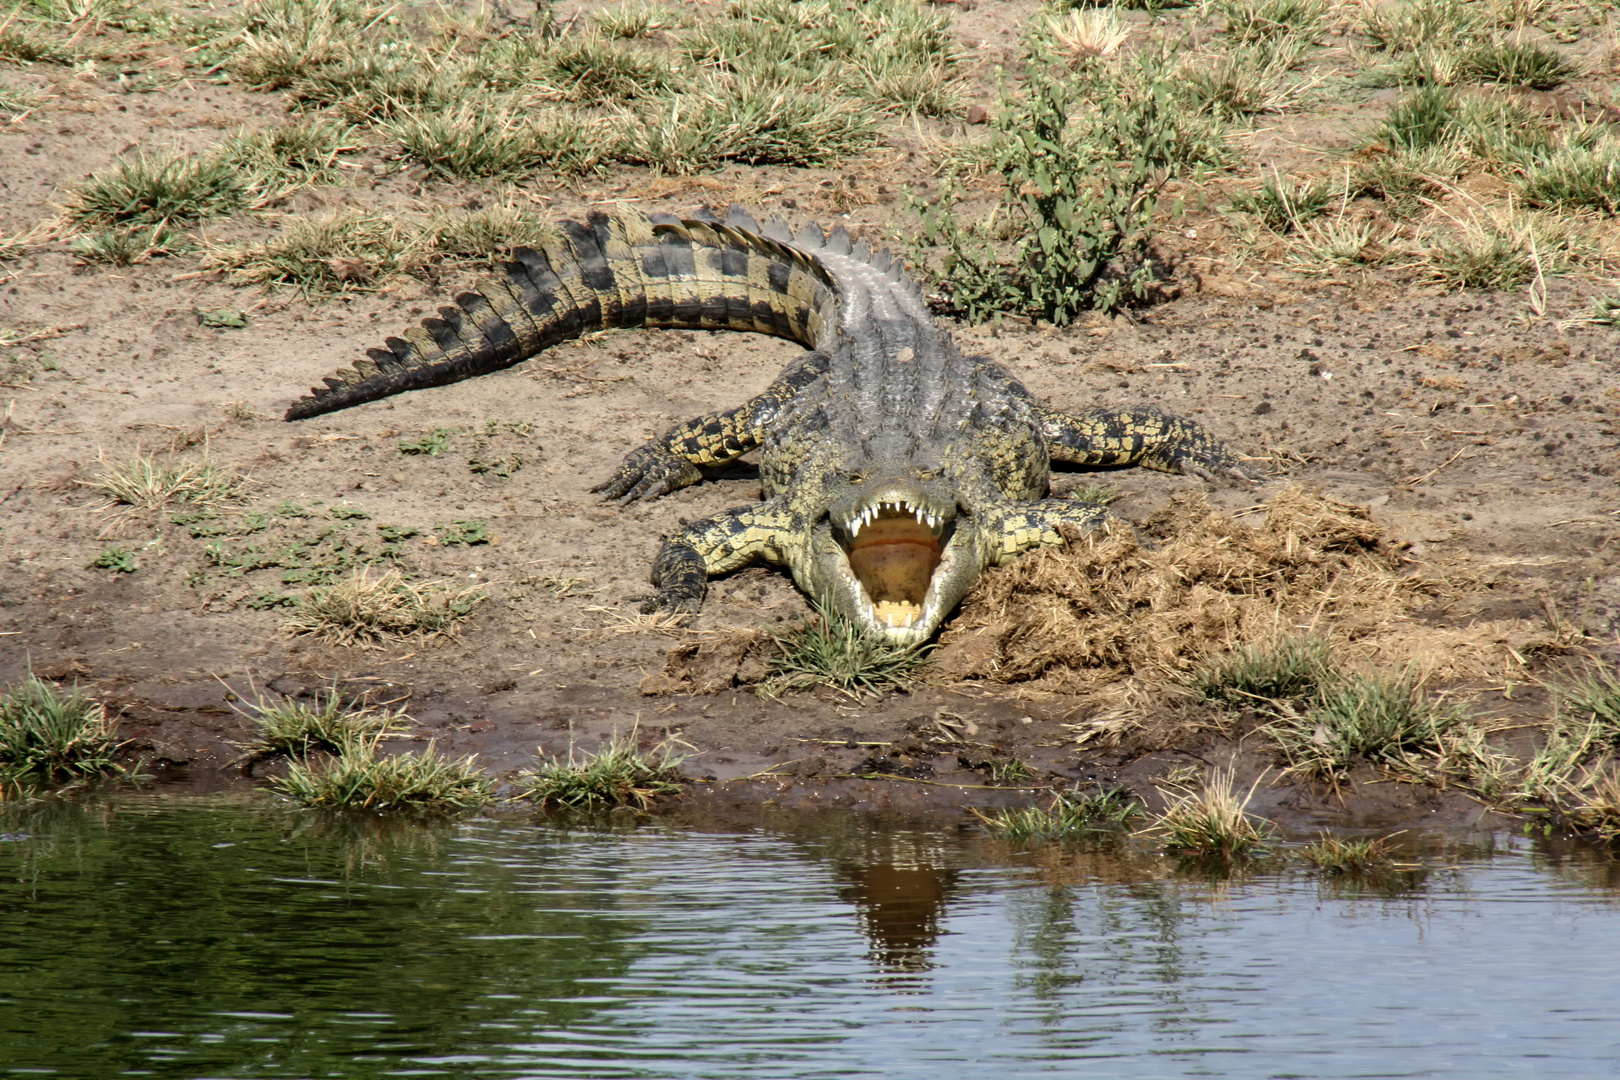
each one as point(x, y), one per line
point(672, 461)
point(715, 545)
point(1023, 526)
point(1141, 436)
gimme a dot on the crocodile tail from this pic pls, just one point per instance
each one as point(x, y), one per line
point(657, 270)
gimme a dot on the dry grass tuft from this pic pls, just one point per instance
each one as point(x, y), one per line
point(1108, 612)
point(1107, 607)
point(150, 482)
point(1212, 822)
point(366, 610)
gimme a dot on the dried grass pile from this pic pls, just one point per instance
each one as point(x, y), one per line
point(1116, 607)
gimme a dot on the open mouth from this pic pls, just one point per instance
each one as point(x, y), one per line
point(893, 549)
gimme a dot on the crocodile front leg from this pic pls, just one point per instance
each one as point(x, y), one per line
point(674, 460)
point(716, 545)
point(1022, 526)
point(1141, 436)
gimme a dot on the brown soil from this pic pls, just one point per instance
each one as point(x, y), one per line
point(1480, 439)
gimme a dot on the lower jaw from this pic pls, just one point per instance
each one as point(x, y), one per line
point(897, 615)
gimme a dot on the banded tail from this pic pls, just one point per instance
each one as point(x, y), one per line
point(656, 270)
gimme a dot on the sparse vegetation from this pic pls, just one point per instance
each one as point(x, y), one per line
point(366, 609)
point(120, 560)
point(828, 649)
point(618, 774)
point(15, 101)
point(1375, 718)
point(1071, 816)
point(1286, 205)
point(50, 736)
point(362, 780)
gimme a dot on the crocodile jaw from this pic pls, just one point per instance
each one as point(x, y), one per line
point(894, 567)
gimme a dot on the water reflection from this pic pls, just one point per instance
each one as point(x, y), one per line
point(899, 908)
point(213, 939)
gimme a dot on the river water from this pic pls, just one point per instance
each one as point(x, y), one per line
point(203, 938)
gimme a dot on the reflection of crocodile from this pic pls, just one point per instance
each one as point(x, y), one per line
point(894, 468)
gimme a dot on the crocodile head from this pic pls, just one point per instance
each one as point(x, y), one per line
point(893, 554)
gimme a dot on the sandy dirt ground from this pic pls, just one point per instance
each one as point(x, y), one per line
point(1479, 434)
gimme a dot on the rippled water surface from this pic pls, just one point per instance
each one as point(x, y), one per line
point(215, 939)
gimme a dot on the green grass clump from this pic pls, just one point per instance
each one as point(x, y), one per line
point(366, 610)
point(828, 649)
point(1253, 21)
point(295, 729)
point(1289, 669)
point(896, 55)
point(1517, 63)
point(640, 19)
point(475, 141)
point(156, 191)
point(282, 159)
point(1594, 696)
point(1424, 119)
point(1243, 82)
point(374, 86)
point(127, 245)
point(359, 779)
point(487, 235)
point(1411, 24)
point(50, 736)
point(1404, 178)
point(586, 70)
point(148, 482)
point(1580, 178)
point(755, 122)
point(22, 41)
point(1211, 822)
point(1070, 817)
point(283, 41)
point(616, 775)
point(1285, 206)
point(348, 251)
point(1332, 855)
point(1375, 718)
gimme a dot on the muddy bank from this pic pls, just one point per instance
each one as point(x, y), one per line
point(1478, 431)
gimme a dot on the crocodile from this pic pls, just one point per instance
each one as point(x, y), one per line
point(894, 468)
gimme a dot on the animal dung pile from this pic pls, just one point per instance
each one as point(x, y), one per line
point(1117, 607)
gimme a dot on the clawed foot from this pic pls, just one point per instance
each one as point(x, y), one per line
point(648, 473)
point(667, 602)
